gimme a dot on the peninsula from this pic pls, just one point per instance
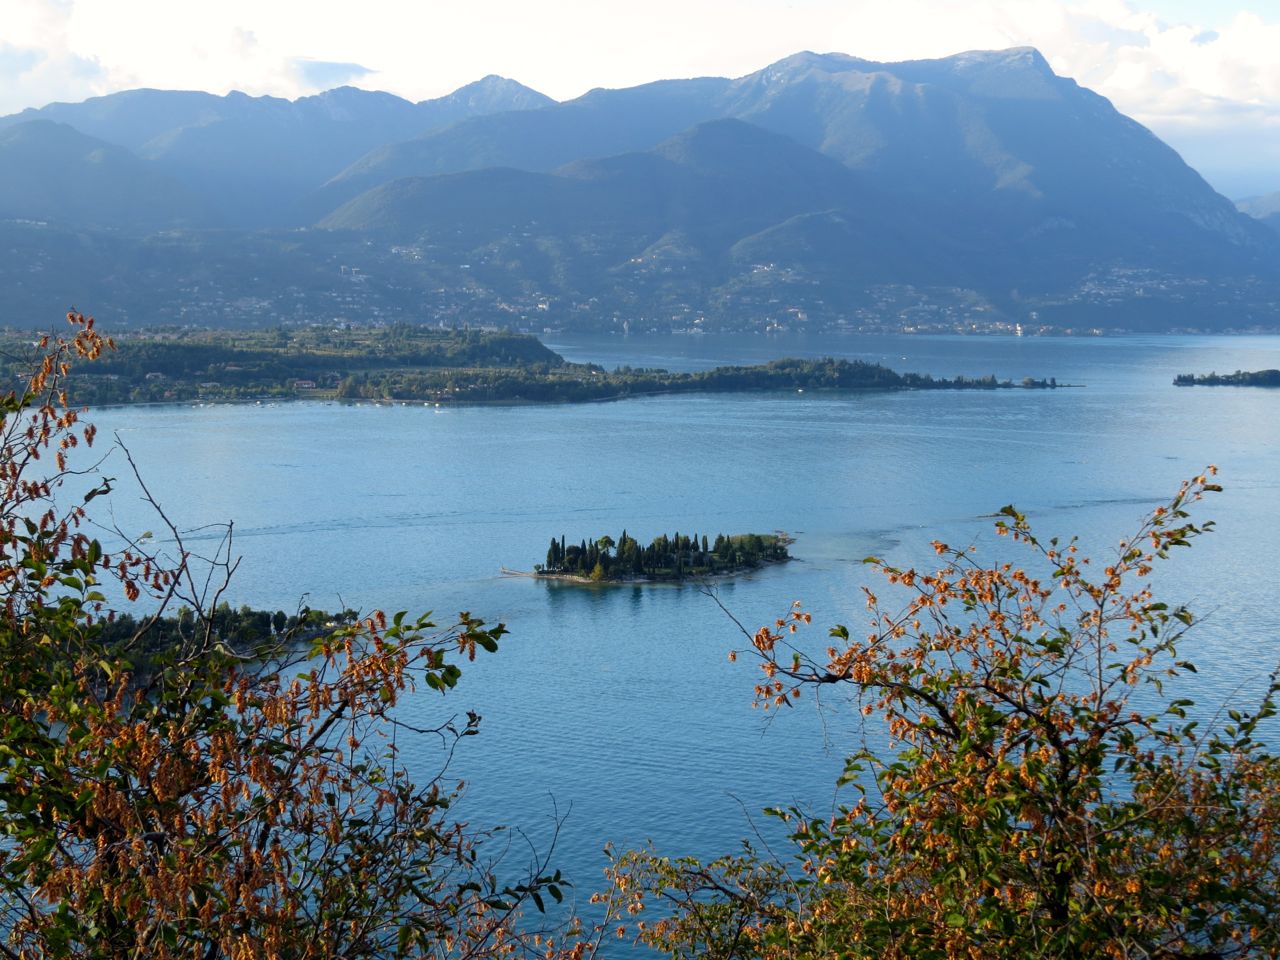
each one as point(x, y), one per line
point(428, 365)
point(666, 558)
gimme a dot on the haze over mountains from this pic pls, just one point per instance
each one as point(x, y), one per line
point(252, 158)
point(1265, 208)
point(977, 190)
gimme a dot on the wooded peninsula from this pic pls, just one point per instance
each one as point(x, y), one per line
point(416, 364)
point(675, 558)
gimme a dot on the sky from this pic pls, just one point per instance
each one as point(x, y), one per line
point(1203, 74)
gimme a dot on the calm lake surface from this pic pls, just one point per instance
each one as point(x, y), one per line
point(617, 706)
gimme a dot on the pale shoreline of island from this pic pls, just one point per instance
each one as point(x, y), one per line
point(641, 581)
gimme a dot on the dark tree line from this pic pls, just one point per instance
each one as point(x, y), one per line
point(244, 631)
point(180, 364)
point(1241, 378)
point(674, 557)
point(573, 382)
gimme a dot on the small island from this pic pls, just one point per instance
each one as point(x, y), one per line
point(1241, 378)
point(666, 558)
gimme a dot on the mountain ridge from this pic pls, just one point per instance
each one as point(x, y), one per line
point(257, 158)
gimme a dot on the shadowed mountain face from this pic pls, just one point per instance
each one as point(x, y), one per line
point(807, 188)
point(601, 123)
point(709, 201)
point(49, 171)
point(714, 176)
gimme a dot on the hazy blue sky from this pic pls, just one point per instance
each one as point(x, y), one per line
point(1204, 75)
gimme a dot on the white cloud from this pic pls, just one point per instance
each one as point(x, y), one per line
point(422, 48)
point(182, 45)
point(1211, 89)
point(36, 62)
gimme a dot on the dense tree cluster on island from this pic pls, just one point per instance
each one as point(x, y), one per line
point(678, 557)
point(1241, 378)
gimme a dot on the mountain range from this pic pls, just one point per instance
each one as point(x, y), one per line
point(978, 189)
point(251, 159)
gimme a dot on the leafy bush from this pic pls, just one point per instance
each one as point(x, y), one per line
point(212, 805)
point(1040, 795)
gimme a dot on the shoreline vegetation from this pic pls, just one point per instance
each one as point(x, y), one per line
point(1241, 378)
point(414, 364)
point(665, 559)
point(245, 632)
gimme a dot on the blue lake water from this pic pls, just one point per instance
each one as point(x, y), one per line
point(617, 705)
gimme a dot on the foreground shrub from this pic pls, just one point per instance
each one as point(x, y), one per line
point(1038, 793)
point(188, 800)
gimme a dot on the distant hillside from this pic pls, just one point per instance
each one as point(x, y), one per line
point(974, 192)
point(710, 202)
point(997, 143)
point(48, 171)
point(983, 173)
point(716, 172)
point(1034, 180)
point(599, 124)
